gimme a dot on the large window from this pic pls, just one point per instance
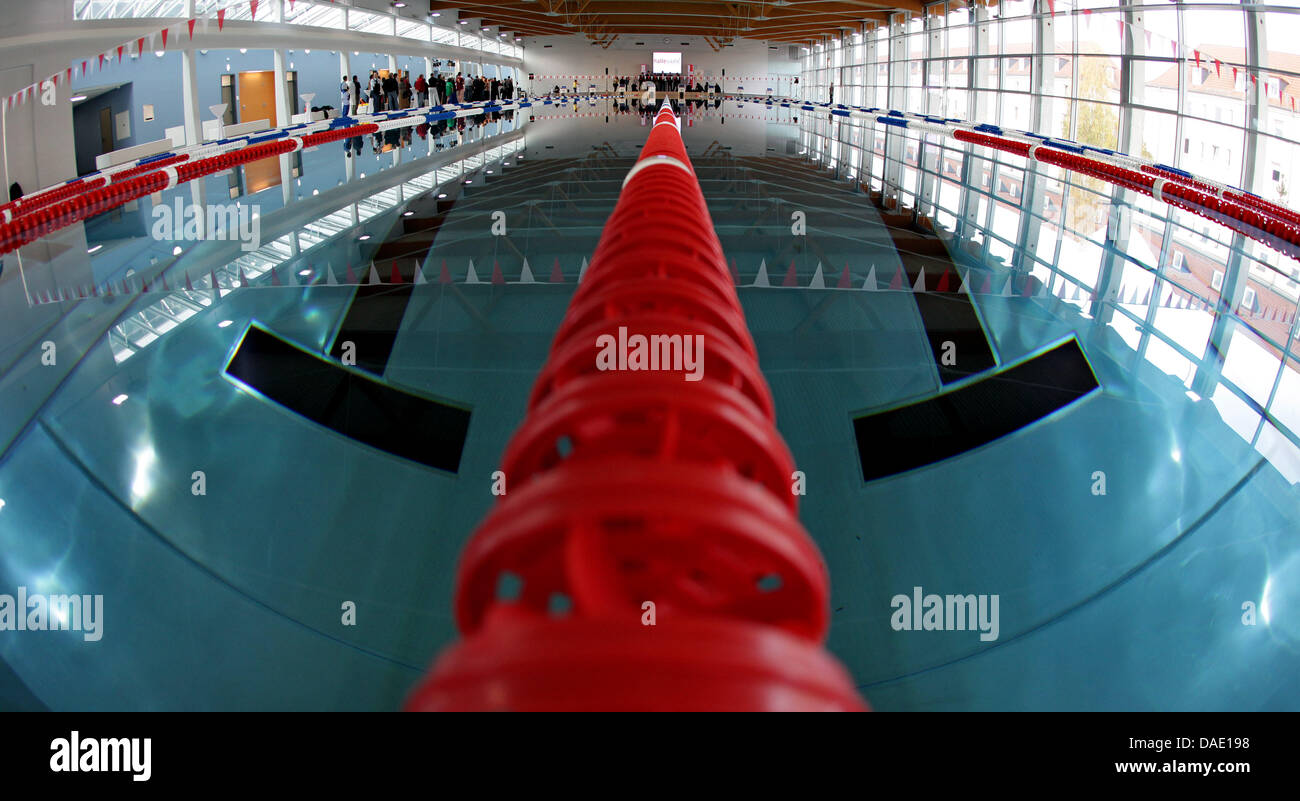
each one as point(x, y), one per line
point(1212, 88)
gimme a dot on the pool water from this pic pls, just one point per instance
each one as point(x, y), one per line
point(258, 546)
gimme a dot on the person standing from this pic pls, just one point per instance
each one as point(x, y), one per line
point(390, 93)
point(376, 92)
point(345, 95)
point(460, 88)
point(354, 94)
point(407, 92)
point(831, 89)
point(421, 91)
point(450, 89)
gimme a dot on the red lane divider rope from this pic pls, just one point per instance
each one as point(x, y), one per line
point(655, 503)
point(146, 179)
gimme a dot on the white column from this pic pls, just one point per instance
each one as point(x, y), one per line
point(190, 88)
point(345, 67)
point(281, 90)
point(190, 98)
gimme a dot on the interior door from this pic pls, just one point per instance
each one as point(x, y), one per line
point(257, 102)
point(105, 130)
point(257, 97)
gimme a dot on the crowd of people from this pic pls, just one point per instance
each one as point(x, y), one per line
point(396, 90)
point(446, 134)
point(663, 82)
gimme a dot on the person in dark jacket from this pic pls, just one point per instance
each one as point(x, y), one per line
point(390, 93)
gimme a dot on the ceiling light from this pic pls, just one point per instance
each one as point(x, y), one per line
point(95, 248)
point(363, 237)
point(119, 400)
point(77, 98)
point(224, 323)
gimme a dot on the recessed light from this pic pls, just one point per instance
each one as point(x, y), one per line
point(407, 213)
point(442, 195)
point(304, 272)
point(95, 248)
point(224, 323)
point(176, 251)
point(364, 237)
point(76, 98)
point(119, 400)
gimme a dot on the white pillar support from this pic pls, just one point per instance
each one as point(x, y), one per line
point(282, 106)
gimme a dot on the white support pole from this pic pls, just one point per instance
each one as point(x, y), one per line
point(282, 115)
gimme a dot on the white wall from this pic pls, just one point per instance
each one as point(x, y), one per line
point(748, 64)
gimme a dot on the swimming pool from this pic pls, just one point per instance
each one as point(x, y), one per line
point(287, 538)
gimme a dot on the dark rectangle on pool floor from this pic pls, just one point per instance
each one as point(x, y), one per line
point(372, 322)
point(975, 414)
point(351, 403)
point(948, 316)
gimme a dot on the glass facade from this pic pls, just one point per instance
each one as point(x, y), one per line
point(1209, 88)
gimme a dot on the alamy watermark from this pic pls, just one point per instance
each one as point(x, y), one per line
point(77, 754)
point(36, 612)
point(920, 612)
point(667, 352)
point(221, 221)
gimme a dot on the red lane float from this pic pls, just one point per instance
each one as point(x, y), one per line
point(153, 177)
point(1254, 217)
point(649, 525)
